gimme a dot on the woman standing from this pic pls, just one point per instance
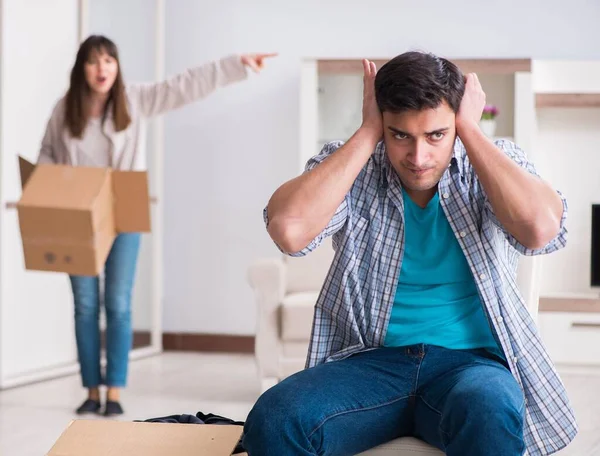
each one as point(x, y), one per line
point(100, 122)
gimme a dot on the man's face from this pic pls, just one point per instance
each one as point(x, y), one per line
point(419, 146)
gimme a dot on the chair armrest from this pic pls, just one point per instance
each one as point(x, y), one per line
point(267, 279)
point(528, 280)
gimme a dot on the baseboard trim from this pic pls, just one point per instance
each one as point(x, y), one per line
point(220, 343)
point(140, 339)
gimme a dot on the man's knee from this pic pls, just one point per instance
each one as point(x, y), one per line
point(278, 413)
point(496, 400)
point(272, 410)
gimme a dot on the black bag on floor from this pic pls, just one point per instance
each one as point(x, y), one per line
point(200, 418)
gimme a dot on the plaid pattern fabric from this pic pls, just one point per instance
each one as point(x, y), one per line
point(354, 307)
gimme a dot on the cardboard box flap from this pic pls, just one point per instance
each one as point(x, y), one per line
point(103, 438)
point(26, 169)
point(64, 187)
point(132, 202)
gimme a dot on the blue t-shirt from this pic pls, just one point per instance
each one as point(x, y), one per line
point(436, 299)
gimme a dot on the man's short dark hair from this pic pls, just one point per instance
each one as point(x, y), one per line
point(417, 81)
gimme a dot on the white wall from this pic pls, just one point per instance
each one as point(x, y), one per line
point(131, 24)
point(39, 40)
point(225, 156)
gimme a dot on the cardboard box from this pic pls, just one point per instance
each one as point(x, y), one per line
point(69, 216)
point(119, 438)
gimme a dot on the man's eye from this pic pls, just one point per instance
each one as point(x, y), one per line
point(437, 136)
point(400, 136)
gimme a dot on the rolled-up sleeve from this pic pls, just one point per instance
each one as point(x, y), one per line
point(516, 154)
point(339, 217)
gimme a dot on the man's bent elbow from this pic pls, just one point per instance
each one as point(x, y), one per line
point(290, 237)
point(541, 235)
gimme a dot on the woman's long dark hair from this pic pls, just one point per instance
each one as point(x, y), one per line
point(76, 114)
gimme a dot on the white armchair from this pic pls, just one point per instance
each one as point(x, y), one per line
point(286, 290)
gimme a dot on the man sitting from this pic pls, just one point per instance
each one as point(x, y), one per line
point(420, 329)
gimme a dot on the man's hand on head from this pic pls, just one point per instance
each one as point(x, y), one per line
point(471, 106)
point(372, 120)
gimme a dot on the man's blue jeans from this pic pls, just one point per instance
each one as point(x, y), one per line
point(465, 402)
point(119, 275)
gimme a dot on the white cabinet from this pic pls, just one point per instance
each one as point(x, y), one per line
point(569, 324)
point(572, 339)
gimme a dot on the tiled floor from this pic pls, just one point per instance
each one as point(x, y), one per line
point(32, 417)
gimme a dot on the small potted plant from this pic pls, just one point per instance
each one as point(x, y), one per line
point(488, 120)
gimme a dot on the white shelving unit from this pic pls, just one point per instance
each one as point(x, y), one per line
point(568, 134)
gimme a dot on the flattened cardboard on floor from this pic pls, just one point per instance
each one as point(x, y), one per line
point(119, 438)
point(69, 216)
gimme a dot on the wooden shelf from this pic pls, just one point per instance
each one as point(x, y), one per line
point(494, 66)
point(567, 100)
point(567, 304)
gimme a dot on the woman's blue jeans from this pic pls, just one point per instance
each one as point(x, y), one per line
point(119, 277)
